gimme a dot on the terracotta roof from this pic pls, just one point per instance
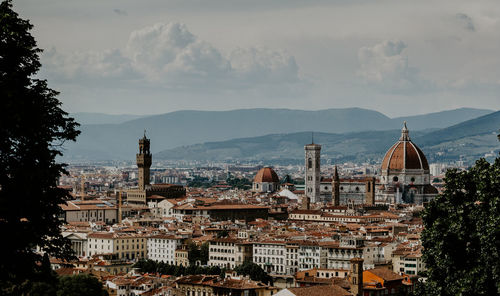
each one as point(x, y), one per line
point(404, 154)
point(319, 291)
point(386, 274)
point(266, 175)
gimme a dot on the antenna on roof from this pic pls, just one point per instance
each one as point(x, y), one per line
point(312, 137)
point(144, 133)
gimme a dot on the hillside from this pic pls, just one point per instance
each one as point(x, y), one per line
point(473, 138)
point(183, 128)
point(102, 118)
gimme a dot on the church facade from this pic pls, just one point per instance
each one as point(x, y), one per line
point(404, 178)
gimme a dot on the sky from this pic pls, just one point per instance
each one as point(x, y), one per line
point(156, 56)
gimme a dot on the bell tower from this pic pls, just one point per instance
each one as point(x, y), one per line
point(143, 161)
point(356, 276)
point(312, 171)
point(336, 188)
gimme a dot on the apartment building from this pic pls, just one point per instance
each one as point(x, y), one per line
point(130, 246)
point(161, 247)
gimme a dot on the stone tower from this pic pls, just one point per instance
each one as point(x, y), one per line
point(336, 188)
point(143, 162)
point(312, 176)
point(356, 278)
point(370, 191)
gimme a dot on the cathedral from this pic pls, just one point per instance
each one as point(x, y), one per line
point(405, 175)
point(404, 178)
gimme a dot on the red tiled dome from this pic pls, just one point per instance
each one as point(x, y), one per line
point(404, 155)
point(266, 175)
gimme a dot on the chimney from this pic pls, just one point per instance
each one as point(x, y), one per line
point(356, 278)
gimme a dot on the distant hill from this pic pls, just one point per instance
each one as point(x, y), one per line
point(183, 128)
point(102, 118)
point(473, 139)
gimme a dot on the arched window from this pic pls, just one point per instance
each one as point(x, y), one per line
point(309, 163)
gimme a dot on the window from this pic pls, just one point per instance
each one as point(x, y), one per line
point(309, 163)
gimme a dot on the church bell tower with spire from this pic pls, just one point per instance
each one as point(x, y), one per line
point(144, 161)
point(312, 170)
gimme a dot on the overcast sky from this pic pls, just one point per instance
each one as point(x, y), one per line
point(148, 57)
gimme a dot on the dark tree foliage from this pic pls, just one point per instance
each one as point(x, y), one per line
point(223, 233)
point(255, 272)
point(196, 253)
point(32, 129)
point(242, 183)
point(151, 266)
point(462, 235)
point(80, 285)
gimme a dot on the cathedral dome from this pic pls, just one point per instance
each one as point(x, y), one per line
point(404, 155)
point(267, 175)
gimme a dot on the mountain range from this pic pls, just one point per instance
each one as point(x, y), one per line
point(118, 140)
point(468, 141)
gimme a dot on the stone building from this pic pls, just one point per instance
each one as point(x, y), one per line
point(145, 191)
point(266, 180)
point(405, 176)
point(312, 171)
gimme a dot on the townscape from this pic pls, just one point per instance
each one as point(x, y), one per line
point(250, 148)
point(359, 233)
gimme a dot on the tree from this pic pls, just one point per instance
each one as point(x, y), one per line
point(255, 272)
point(461, 238)
point(33, 128)
point(80, 285)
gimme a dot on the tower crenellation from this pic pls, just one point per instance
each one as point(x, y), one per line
point(144, 159)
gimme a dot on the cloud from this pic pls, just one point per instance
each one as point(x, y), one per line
point(170, 56)
point(120, 11)
point(90, 67)
point(465, 21)
point(384, 65)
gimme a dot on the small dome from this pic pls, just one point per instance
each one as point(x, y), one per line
point(266, 175)
point(404, 155)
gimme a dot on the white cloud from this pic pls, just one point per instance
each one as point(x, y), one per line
point(384, 65)
point(169, 56)
point(90, 66)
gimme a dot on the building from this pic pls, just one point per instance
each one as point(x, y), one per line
point(266, 180)
point(212, 285)
point(78, 242)
point(147, 192)
point(312, 171)
point(117, 244)
point(228, 252)
point(89, 211)
point(182, 256)
point(270, 256)
point(405, 175)
point(162, 247)
point(408, 261)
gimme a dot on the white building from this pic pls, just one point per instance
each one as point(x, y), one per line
point(119, 245)
point(271, 256)
point(162, 247)
point(311, 255)
point(228, 252)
